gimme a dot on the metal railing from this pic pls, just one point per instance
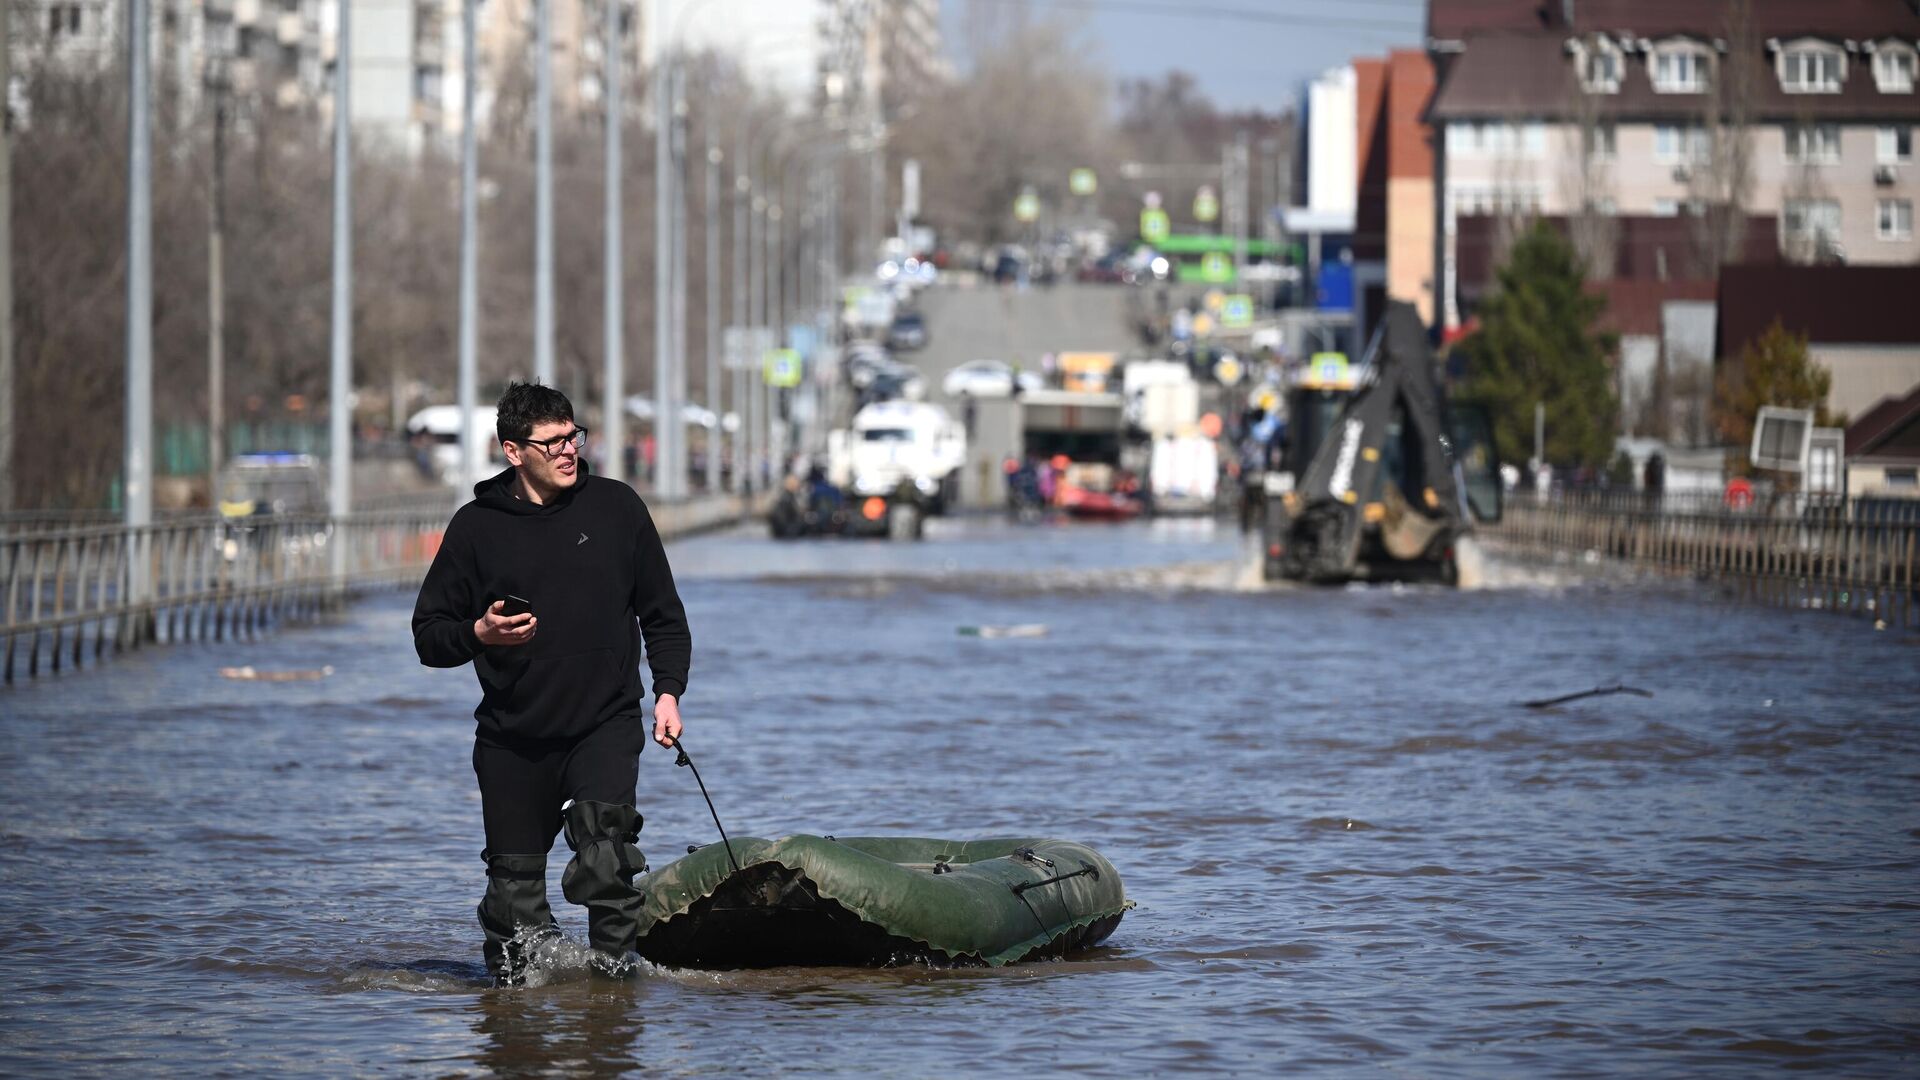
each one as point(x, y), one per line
point(1855, 556)
point(78, 592)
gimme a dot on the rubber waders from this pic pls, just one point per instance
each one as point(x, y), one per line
point(514, 914)
point(600, 877)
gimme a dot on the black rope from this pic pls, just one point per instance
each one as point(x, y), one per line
point(1085, 869)
point(683, 759)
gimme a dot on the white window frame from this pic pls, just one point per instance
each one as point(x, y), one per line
point(1885, 78)
point(1691, 145)
point(1886, 144)
point(1796, 50)
point(1699, 75)
point(1585, 53)
point(1665, 208)
point(1808, 210)
point(1803, 148)
point(1601, 142)
point(1893, 219)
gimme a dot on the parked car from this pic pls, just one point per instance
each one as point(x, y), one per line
point(988, 378)
point(909, 331)
point(896, 383)
point(864, 360)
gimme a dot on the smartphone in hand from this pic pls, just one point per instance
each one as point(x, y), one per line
point(515, 605)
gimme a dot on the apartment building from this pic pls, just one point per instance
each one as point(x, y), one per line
point(1394, 210)
point(878, 54)
point(409, 68)
point(1644, 109)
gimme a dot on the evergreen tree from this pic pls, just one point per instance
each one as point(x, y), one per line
point(1773, 369)
point(1537, 343)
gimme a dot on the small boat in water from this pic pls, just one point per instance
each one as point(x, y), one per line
point(877, 900)
point(1099, 505)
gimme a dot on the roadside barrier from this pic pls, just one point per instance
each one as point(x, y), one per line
point(79, 593)
point(1855, 556)
point(78, 587)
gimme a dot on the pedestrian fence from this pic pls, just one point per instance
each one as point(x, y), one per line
point(77, 592)
point(1854, 556)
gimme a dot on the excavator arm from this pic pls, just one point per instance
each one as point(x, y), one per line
point(1385, 472)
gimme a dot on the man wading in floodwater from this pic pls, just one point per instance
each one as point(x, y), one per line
point(561, 725)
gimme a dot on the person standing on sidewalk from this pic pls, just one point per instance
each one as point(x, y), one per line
point(561, 724)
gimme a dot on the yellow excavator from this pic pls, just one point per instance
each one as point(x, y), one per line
point(1388, 488)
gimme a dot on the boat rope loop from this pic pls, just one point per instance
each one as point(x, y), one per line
point(1086, 869)
point(683, 759)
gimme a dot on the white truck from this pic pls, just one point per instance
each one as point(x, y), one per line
point(1183, 470)
point(891, 442)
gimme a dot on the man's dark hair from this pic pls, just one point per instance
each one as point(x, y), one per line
point(526, 404)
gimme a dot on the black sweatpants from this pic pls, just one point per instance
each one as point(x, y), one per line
point(523, 784)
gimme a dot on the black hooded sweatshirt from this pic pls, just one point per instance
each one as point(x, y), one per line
point(591, 566)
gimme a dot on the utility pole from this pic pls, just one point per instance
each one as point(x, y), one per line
point(340, 385)
point(757, 318)
point(217, 281)
point(662, 257)
point(6, 258)
point(777, 303)
point(742, 199)
point(1242, 202)
point(715, 383)
point(613, 412)
point(677, 419)
point(542, 192)
point(138, 483)
point(469, 361)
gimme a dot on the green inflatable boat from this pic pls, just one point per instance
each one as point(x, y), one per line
point(877, 900)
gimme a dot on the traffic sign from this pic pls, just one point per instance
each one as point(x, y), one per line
point(1154, 227)
point(1206, 205)
point(1083, 182)
point(1236, 312)
point(1329, 368)
point(1027, 206)
point(783, 367)
point(1216, 267)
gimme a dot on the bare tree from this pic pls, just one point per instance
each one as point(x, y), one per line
point(1722, 186)
point(1587, 177)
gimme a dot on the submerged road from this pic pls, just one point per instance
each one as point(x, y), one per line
point(1352, 852)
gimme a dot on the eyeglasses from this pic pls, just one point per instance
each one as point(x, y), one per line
point(576, 438)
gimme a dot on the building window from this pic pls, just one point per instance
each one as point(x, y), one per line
point(1679, 70)
point(1893, 69)
point(1601, 142)
point(1480, 139)
point(1814, 144)
point(1893, 219)
point(1674, 145)
point(1676, 207)
point(1600, 68)
point(1811, 69)
point(1903, 478)
point(1815, 221)
point(1893, 145)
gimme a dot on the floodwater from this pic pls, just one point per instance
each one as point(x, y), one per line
point(1353, 853)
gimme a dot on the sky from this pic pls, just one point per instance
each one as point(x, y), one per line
point(1244, 53)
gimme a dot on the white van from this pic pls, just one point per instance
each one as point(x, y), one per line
point(440, 425)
